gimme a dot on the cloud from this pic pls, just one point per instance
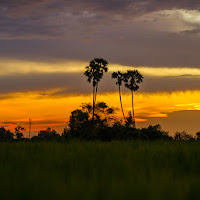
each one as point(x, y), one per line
point(121, 31)
point(76, 18)
point(195, 31)
point(182, 120)
point(24, 67)
point(66, 77)
point(69, 84)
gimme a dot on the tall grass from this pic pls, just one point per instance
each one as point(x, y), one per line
point(97, 170)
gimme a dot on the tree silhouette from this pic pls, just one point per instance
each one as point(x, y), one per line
point(104, 114)
point(81, 124)
point(77, 119)
point(94, 73)
point(46, 135)
point(129, 120)
point(18, 132)
point(6, 135)
point(132, 80)
point(120, 77)
point(198, 135)
point(182, 136)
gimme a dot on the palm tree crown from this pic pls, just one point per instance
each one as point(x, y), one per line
point(95, 70)
point(119, 76)
point(132, 80)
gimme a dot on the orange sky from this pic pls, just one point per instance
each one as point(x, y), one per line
point(45, 46)
point(48, 110)
point(48, 92)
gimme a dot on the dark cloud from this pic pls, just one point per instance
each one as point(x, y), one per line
point(75, 18)
point(177, 121)
point(84, 29)
point(77, 84)
point(126, 46)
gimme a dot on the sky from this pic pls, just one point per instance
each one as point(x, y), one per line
point(45, 46)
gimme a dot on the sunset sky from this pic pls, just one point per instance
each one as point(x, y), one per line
point(46, 44)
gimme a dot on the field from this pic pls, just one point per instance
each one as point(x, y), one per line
point(97, 170)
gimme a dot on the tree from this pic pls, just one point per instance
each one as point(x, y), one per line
point(18, 132)
point(198, 135)
point(77, 119)
point(182, 136)
point(48, 135)
point(104, 114)
point(129, 120)
point(84, 126)
point(94, 73)
point(154, 133)
point(120, 77)
point(6, 135)
point(132, 80)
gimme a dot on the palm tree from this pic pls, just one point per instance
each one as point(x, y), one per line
point(132, 80)
point(94, 73)
point(120, 77)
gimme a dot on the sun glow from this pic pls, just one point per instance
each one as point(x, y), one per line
point(53, 107)
point(47, 109)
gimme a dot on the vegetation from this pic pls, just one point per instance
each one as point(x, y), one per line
point(104, 127)
point(99, 170)
point(18, 132)
point(94, 73)
point(132, 81)
point(120, 78)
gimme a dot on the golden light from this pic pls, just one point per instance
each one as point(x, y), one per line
point(54, 111)
point(14, 67)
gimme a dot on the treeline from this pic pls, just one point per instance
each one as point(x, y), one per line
point(107, 134)
point(103, 126)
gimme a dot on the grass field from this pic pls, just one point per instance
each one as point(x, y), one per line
point(96, 170)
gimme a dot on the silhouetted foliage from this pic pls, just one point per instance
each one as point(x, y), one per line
point(120, 78)
point(183, 136)
point(198, 135)
point(104, 114)
point(105, 127)
point(77, 119)
point(83, 125)
point(6, 135)
point(18, 132)
point(94, 73)
point(46, 135)
point(154, 133)
point(129, 120)
point(132, 80)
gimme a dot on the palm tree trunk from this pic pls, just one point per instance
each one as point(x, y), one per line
point(93, 103)
point(96, 93)
point(121, 103)
point(134, 125)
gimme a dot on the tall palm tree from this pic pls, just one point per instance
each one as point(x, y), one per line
point(120, 77)
point(132, 80)
point(94, 73)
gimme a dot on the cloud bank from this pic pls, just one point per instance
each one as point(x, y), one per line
point(136, 32)
point(78, 18)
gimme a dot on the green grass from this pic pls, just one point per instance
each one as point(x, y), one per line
point(97, 170)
